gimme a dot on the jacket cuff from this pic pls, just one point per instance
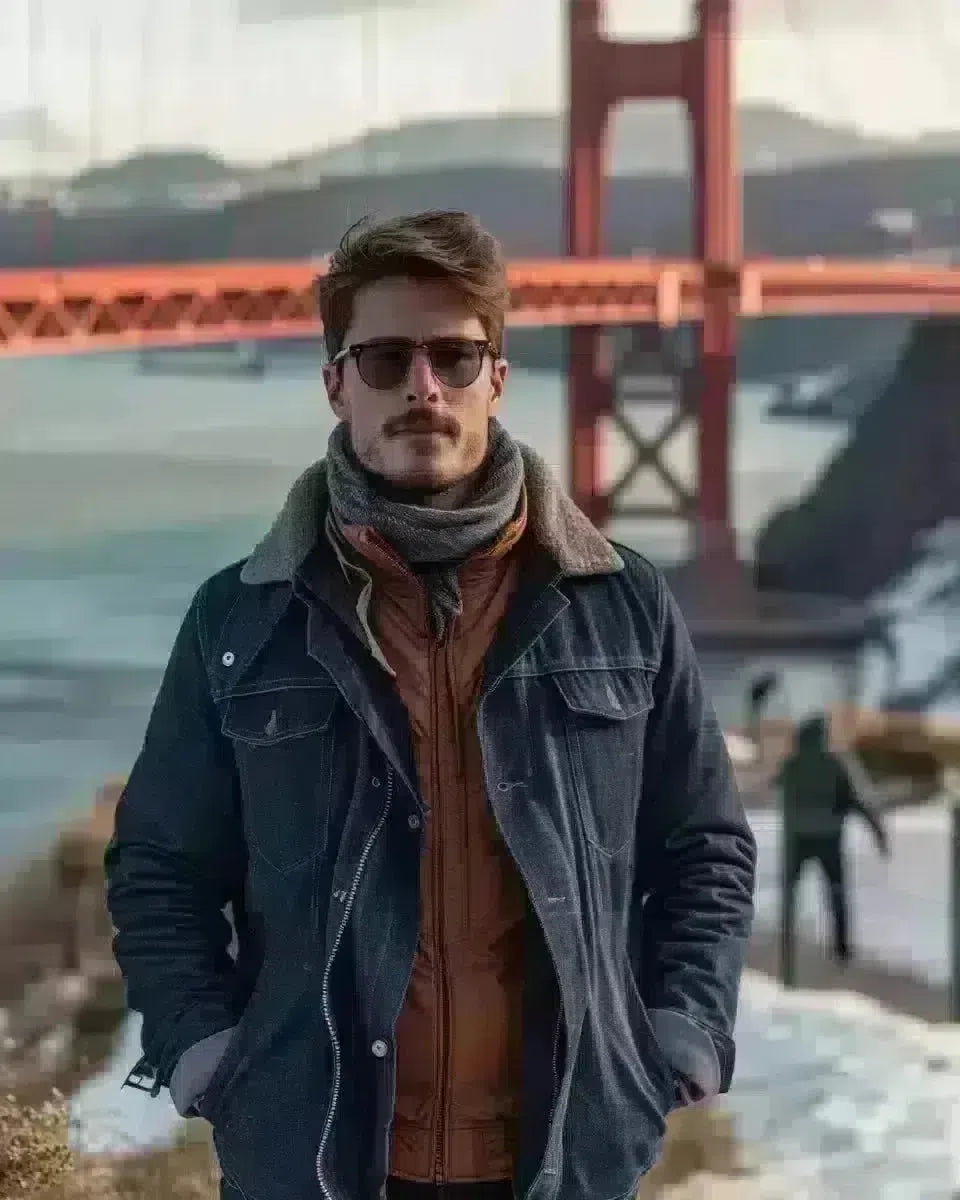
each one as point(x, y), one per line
point(689, 1049)
point(165, 1041)
point(195, 1069)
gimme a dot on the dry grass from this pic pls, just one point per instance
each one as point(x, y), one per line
point(34, 1152)
point(186, 1172)
point(700, 1141)
point(36, 1164)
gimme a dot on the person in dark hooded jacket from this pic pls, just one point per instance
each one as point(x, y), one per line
point(817, 796)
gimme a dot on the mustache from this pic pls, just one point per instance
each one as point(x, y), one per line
point(422, 420)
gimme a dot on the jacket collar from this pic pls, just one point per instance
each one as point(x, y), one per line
point(555, 523)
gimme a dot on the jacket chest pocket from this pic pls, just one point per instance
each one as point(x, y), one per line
point(605, 717)
point(283, 744)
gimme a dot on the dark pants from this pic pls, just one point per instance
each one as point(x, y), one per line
point(400, 1189)
point(828, 852)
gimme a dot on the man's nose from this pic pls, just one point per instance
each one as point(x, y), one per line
point(421, 382)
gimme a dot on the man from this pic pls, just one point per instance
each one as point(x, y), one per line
point(445, 750)
point(818, 795)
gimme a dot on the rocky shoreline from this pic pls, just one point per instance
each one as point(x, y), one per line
point(890, 484)
point(59, 1013)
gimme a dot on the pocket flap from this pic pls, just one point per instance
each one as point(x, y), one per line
point(616, 694)
point(265, 717)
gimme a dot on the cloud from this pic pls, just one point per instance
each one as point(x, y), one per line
point(267, 12)
point(820, 16)
point(882, 66)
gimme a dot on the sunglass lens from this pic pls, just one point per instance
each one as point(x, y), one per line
point(456, 363)
point(385, 366)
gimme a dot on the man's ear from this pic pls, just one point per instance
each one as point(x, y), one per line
point(498, 380)
point(333, 381)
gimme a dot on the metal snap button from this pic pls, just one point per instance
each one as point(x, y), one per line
point(229, 659)
point(379, 1048)
point(413, 821)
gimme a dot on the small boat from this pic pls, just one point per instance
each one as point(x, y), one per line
point(228, 358)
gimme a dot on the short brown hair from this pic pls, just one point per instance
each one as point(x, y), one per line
point(451, 246)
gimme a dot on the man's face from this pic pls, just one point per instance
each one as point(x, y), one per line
point(420, 433)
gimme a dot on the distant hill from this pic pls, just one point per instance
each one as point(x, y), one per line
point(33, 129)
point(937, 142)
point(645, 140)
point(821, 209)
point(156, 169)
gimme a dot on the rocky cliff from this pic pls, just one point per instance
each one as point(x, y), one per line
point(897, 477)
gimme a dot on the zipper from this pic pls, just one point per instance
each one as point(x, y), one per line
point(439, 929)
point(351, 896)
point(555, 1094)
point(555, 1064)
point(142, 1073)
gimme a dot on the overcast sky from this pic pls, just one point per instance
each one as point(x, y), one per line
point(189, 71)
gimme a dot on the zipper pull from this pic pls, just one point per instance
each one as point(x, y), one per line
point(140, 1075)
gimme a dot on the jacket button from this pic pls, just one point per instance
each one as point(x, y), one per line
point(379, 1048)
point(413, 821)
point(228, 659)
point(374, 782)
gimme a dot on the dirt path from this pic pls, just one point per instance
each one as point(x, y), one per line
point(896, 990)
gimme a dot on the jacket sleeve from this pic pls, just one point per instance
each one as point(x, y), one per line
point(696, 865)
point(175, 859)
point(856, 790)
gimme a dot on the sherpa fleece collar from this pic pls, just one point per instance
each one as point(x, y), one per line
point(555, 523)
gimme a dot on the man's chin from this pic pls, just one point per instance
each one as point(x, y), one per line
point(427, 483)
point(413, 473)
point(423, 472)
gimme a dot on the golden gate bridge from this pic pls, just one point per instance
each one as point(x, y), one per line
point(110, 308)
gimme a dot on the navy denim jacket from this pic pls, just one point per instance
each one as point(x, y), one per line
point(277, 778)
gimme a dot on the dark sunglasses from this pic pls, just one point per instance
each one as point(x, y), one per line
point(384, 363)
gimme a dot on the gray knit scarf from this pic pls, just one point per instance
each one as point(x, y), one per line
point(432, 541)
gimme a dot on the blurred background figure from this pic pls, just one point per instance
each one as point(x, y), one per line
point(759, 692)
point(818, 794)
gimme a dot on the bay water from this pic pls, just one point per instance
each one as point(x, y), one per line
point(121, 490)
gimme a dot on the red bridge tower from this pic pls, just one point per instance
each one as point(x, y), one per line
point(699, 71)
